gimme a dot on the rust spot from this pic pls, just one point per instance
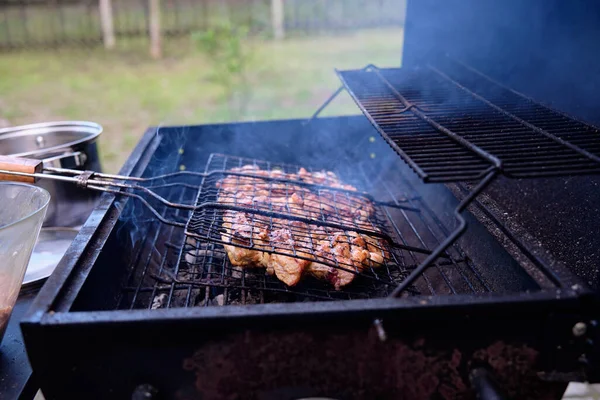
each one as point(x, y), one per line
point(353, 365)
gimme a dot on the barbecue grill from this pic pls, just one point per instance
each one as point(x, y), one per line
point(486, 289)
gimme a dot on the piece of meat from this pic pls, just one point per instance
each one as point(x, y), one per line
point(289, 269)
point(338, 276)
point(346, 249)
point(241, 232)
point(303, 248)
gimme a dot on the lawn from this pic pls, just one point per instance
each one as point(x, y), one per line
point(126, 91)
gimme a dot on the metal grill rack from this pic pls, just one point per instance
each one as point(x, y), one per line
point(187, 270)
point(449, 131)
point(457, 125)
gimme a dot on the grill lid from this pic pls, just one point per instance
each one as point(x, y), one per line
point(47, 139)
point(455, 126)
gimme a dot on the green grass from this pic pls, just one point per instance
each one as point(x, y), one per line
point(126, 92)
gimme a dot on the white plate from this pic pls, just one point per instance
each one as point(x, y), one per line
point(48, 251)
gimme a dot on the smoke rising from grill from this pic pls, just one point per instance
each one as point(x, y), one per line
point(328, 149)
point(324, 150)
point(544, 48)
point(135, 219)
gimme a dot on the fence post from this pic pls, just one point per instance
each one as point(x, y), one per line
point(106, 21)
point(277, 18)
point(155, 36)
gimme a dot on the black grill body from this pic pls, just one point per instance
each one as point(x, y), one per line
point(82, 336)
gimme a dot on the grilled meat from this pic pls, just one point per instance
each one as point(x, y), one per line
point(304, 248)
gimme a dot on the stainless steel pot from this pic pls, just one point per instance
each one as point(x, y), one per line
point(66, 144)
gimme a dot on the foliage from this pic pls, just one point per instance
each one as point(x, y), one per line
point(231, 56)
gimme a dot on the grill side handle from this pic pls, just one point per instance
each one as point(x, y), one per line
point(485, 385)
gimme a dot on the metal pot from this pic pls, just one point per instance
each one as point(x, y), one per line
point(66, 144)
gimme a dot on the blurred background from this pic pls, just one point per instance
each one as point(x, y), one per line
point(130, 64)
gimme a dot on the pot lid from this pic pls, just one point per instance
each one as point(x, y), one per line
point(49, 249)
point(48, 138)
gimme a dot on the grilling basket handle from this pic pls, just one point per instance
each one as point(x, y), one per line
point(31, 170)
point(22, 169)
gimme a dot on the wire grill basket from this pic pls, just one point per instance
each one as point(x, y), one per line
point(294, 222)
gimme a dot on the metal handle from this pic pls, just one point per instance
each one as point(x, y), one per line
point(485, 386)
point(144, 391)
point(74, 159)
point(19, 166)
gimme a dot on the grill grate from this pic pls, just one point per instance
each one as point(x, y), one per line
point(176, 270)
point(450, 131)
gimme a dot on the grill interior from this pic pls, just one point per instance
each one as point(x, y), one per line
point(450, 126)
point(171, 269)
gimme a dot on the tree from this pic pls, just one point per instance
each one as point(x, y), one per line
point(229, 51)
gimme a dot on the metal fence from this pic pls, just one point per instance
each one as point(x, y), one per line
point(58, 23)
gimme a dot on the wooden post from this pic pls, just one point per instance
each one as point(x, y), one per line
point(106, 21)
point(155, 34)
point(277, 18)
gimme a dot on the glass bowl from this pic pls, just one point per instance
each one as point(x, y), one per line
point(22, 211)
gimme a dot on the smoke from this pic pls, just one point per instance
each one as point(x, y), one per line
point(331, 144)
point(136, 221)
point(543, 48)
